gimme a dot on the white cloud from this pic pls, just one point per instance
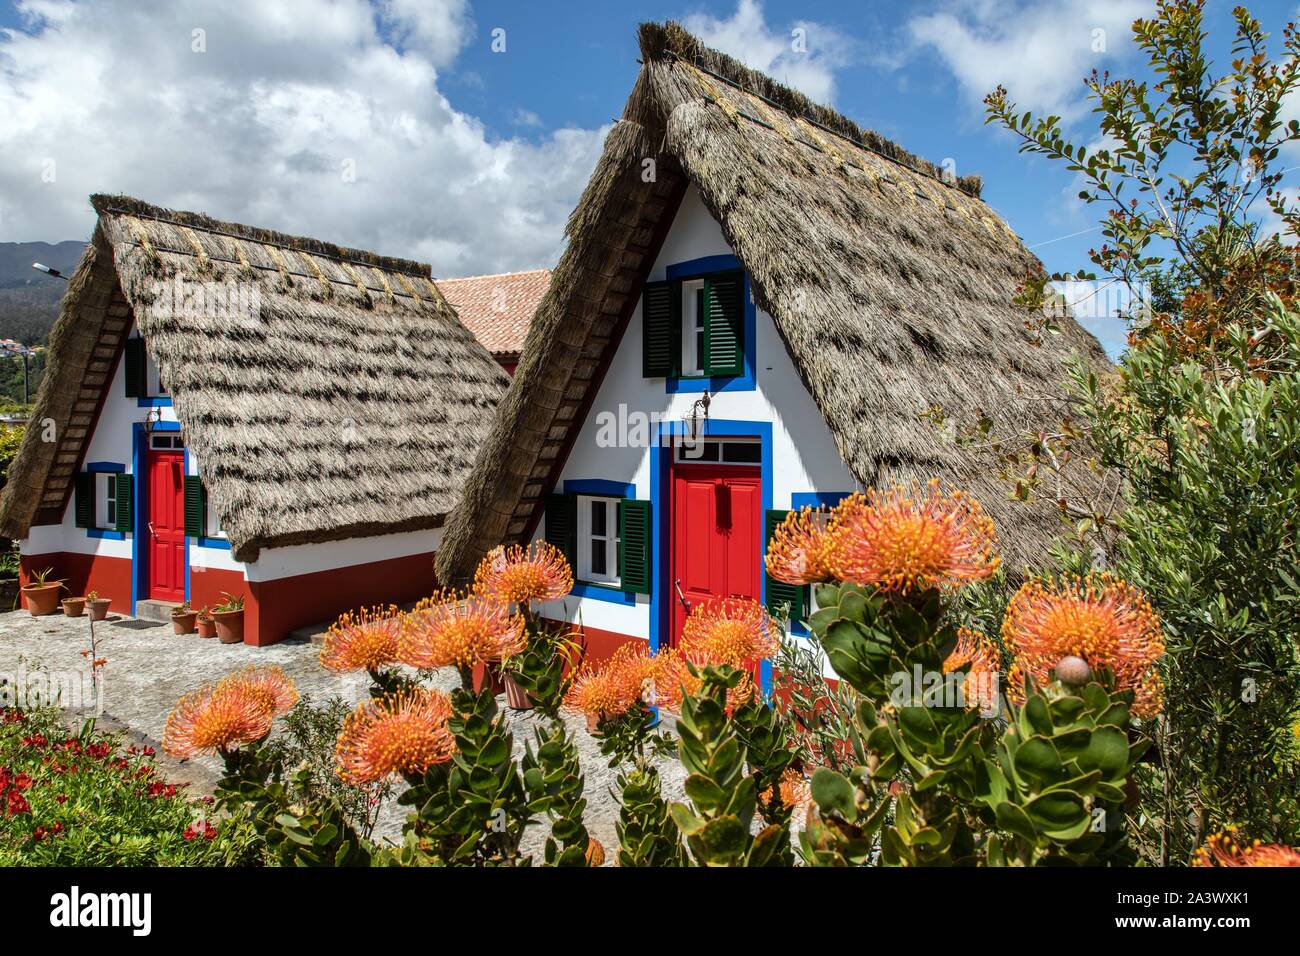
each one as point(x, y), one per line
point(804, 57)
point(1039, 51)
point(264, 126)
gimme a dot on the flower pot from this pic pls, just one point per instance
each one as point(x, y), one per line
point(593, 723)
point(206, 627)
point(98, 608)
point(8, 594)
point(184, 623)
point(230, 626)
point(74, 607)
point(42, 598)
point(493, 680)
point(516, 697)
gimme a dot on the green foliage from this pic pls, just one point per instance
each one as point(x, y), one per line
point(472, 810)
point(554, 782)
point(299, 825)
point(84, 800)
point(540, 669)
point(1209, 533)
point(1055, 787)
point(723, 797)
point(818, 717)
point(305, 745)
point(647, 835)
point(11, 439)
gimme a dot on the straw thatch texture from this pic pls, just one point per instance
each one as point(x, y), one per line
point(352, 402)
point(890, 285)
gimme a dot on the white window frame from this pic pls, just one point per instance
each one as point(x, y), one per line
point(693, 359)
point(682, 451)
point(213, 527)
point(153, 385)
point(105, 491)
point(611, 577)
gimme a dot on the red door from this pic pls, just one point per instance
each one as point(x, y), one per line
point(166, 525)
point(716, 527)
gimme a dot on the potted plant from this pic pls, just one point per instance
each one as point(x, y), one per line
point(229, 618)
point(183, 618)
point(74, 606)
point(98, 606)
point(9, 561)
point(206, 626)
point(42, 594)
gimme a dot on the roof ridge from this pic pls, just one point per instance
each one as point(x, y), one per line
point(493, 275)
point(122, 205)
point(670, 40)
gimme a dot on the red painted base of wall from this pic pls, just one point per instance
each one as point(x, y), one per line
point(601, 645)
point(271, 608)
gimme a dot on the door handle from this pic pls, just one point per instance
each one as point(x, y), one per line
point(151, 534)
point(686, 605)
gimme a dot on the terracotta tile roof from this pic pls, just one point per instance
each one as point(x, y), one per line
point(498, 308)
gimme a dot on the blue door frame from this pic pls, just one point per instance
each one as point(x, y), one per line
point(661, 496)
point(139, 554)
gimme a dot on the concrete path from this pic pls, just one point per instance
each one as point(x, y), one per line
point(149, 668)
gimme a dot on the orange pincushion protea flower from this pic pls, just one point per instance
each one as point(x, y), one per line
point(735, 631)
point(801, 548)
point(403, 733)
point(522, 575)
point(460, 630)
point(615, 686)
point(1223, 849)
point(672, 682)
point(214, 718)
point(363, 641)
point(908, 539)
point(980, 688)
point(270, 684)
point(795, 790)
point(1106, 622)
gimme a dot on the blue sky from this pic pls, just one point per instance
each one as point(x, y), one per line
point(471, 158)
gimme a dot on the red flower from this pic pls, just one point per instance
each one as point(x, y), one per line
point(17, 803)
point(22, 781)
point(61, 798)
point(200, 828)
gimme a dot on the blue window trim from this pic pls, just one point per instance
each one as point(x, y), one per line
point(156, 401)
point(219, 544)
point(101, 468)
point(661, 462)
point(693, 269)
point(139, 454)
point(812, 499)
point(600, 487)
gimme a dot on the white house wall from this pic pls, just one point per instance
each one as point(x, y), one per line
point(804, 456)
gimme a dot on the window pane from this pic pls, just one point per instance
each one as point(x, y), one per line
point(598, 519)
point(598, 563)
point(742, 452)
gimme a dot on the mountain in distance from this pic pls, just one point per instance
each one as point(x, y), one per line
point(29, 300)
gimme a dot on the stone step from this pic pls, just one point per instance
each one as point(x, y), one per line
point(155, 610)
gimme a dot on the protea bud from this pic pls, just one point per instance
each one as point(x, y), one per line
point(1073, 670)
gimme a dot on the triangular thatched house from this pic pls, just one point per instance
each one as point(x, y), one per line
point(229, 409)
point(819, 286)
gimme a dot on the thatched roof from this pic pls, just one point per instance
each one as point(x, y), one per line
point(352, 403)
point(890, 286)
point(498, 308)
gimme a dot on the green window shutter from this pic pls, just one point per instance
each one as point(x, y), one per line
point(661, 330)
point(83, 508)
point(724, 324)
point(634, 546)
point(125, 487)
point(135, 369)
point(562, 526)
point(779, 593)
point(196, 507)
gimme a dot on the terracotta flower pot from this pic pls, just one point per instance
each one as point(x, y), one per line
point(593, 723)
point(74, 607)
point(206, 627)
point(516, 697)
point(184, 623)
point(42, 598)
point(493, 681)
point(230, 626)
point(98, 608)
